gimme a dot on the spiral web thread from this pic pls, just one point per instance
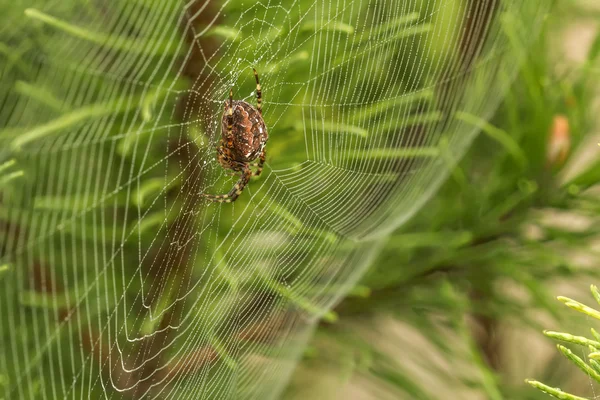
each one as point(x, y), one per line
point(118, 279)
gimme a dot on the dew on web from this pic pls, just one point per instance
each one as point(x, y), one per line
point(134, 285)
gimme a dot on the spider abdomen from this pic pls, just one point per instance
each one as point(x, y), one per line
point(248, 133)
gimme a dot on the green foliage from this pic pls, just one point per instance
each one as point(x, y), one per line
point(591, 367)
point(90, 184)
point(486, 247)
point(99, 184)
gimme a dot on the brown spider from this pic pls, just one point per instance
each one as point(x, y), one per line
point(243, 138)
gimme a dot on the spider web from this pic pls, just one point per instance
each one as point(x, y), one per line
point(118, 280)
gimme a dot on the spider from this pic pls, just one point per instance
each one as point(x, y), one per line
point(243, 139)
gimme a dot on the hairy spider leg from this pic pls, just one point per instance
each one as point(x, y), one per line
point(258, 92)
point(237, 189)
point(260, 163)
point(230, 120)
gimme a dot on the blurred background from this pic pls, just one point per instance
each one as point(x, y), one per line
point(431, 186)
point(483, 261)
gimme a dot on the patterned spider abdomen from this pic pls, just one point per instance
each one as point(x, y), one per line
point(248, 135)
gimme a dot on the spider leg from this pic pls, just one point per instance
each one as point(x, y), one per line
point(258, 92)
point(230, 119)
point(260, 163)
point(237, 189)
